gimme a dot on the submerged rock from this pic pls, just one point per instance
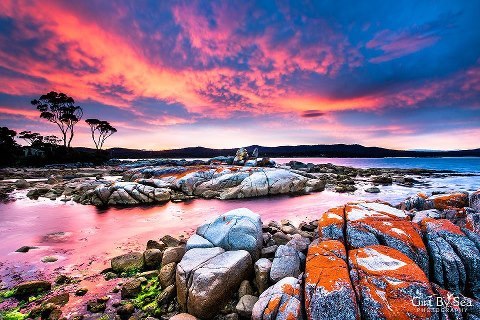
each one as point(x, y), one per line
point(31, 288)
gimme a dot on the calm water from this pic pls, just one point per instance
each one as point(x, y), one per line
point(85, 237)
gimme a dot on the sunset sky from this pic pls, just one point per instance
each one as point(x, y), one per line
point(168, 74)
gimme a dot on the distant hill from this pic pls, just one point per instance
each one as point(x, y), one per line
point(328, 151)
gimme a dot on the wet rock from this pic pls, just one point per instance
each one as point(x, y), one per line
point(96, 306)
point(455, 258)
point(25, 249)
point(329, 293)
point(206, 278)
point(245, 305)
point(166, 275)
point(239, 229)
point(331, 224)
point(262, 274)
point(130, 262)
point(457, 200)
point(382, 179)
point(196, 241)
point(152, 258)
point(63, 279)
point(172, 254)
point(386, 282)
point(49, 259)
point(372, 190)
point(131, 288)
point(81, 291)
point(59, 299)
point(22, 184)
point(32, 288)
point(281, 301)
point(126, 310)
point(287, 263)
point(245, 289)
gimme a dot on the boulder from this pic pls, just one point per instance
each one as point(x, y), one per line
point(183, 316)
point(240, 157)
point(153, 244)
point(282, 301)
point(299, 243)
point(22, 184)
point(245, 289)
point(207, 277)
point(32, 288)
point(245, 305)
point(152, 258)
point(454, 256)
point(430, 213)
point(472, 222)
point(415, 202)
point(262, 273)
point(239, 229)
point(329, 293)
point(130, 262)
point(387, 282)
point(166, 276)
point(331, 224)
point(131, 288)
point(457, 200)
point(474, 201)
point(376, 210)
point(196, 241)
point(287, 263)
point(172, 254)
point(170, 241)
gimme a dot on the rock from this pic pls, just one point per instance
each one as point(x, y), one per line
point(31, 288)
point(81, 291)
point(281, 301)
point(166, 275)
point(126, 310)
point(63, 279)
point(415, 202)
point(245, 305)
point(474, 201)
point(455, 257)
point(299, 243)
point(59, 299)
point(147, 274)
point(329, 293)
point(289, 229)
point(240, 157)
point(269, 252)
point(262, 273)
point(472, 222)
point(131, 288)
point(331, 224)
point(386, 282)
point(398, 233)
point(206, 278)
point(130, 262)
point(422, 214)
point(25, 249)
point(172, 254)
point(281, 238)
point(49, 259)
point(196, 241)
point(183, 316)
point(239, 229)
point(152, 258)
point(245, 289)
point(287, 263)
point(251, 163)
point(167, 295)
point(22, 184)
point(377, 210)
point(152, 244)
point(372, 190)
point(457, 200)
point(96, 306)
point(383, 179)
point(170, 241)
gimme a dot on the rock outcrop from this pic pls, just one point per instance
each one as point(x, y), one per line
point(329, 293)
point(282, 301)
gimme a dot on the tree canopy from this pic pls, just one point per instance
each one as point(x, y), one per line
point(60, 109)
point(100, 130)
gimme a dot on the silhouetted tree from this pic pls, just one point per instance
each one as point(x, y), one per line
point(31, 137)
point(8, 146)
point(60, 109)
point(53, 140)
point(101, 130)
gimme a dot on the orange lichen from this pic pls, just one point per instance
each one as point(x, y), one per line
point(334, 216)
point(440, 225)
point(272, 305)
point(450, 201)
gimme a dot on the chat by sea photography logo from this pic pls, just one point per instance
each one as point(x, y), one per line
point(448, 303)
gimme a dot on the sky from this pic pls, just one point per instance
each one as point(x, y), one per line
point(169, 74)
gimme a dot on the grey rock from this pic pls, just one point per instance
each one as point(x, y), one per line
point(262, 274)
point(152, 258)
point(287, 263)
point(196, 241)
point(245, 305)
point(172, 254)
point(166, 275)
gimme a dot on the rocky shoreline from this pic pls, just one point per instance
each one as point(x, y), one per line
point(128, 183)
point(363, 260)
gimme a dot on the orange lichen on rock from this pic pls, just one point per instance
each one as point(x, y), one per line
point(374, 210)
point(430, 225)
point(457, 200)
point(389, 284)
point(405, 231)
point(331, 224)
point(328, 290)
